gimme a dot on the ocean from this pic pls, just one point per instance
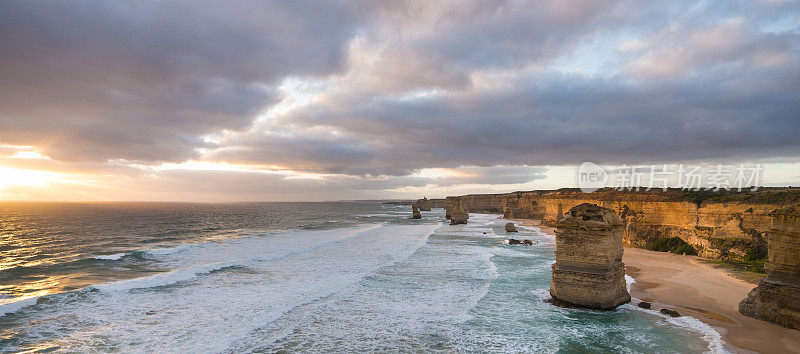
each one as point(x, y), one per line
point(287, 277)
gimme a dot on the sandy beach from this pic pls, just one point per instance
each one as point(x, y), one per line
point(697, 289)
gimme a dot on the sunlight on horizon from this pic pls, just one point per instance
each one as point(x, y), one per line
point(32, 178)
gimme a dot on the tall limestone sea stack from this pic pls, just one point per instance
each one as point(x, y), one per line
point(776, 299)
point(459, 214)
point(589, 271)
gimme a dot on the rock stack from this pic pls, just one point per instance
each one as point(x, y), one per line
point(458, 215)
point(415, 214)
point(589, 271)
point(776, 299)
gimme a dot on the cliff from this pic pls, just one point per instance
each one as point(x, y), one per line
point(777, 297)
point(426, 204)
point(718, 225)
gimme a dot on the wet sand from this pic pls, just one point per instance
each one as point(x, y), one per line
point(708, 293)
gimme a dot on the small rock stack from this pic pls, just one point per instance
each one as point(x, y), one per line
point(776, 299)
point(415, 214)
point(510, 227)
point(458, 214)
point(589, 271)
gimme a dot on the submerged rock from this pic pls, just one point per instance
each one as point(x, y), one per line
point(670, 313)
point(589, 271)
point(645, 305)
point(510, 227)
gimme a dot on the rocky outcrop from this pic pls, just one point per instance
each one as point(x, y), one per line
point(415, 214)
point(670, 313)
point(458, 214)
point(510, 227)
point(513, 241)
point(776, 299)
point(589, 271)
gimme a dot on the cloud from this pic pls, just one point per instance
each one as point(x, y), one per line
point(708, 84)
point(144, 81)
point(372, 95)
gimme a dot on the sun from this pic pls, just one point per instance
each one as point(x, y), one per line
point(31, 178)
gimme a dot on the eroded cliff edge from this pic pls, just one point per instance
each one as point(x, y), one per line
point(717, 225)
point(777, 297)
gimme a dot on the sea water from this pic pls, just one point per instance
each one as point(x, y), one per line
point(309, 277)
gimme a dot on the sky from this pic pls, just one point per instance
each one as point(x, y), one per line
point(310, 100)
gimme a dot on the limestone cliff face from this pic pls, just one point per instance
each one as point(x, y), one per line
point(431, 203)
point(423, 204)
point(777, 297)
point(484, 203)
point(589, 271)
point(728, 229)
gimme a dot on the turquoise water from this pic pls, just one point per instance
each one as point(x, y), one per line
point(340, 277)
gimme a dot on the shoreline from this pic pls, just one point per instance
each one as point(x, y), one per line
point(702, 291)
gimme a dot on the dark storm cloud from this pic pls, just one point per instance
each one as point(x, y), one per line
point(96, 80)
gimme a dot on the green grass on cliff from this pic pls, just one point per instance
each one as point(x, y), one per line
point(754, 265)
point(674, 245)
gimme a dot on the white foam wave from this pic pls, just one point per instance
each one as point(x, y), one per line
point(8, 306)
point(709, 334)
point(243, 258)
point(287, 272)
point(166, 278)
point(111, 257)
point(629, 280)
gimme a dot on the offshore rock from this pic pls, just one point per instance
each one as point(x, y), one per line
point(458, 214)
point(415, 214)
point(527, 242)
point(589, 271)
point(670, 313)
point(510, 227)
point(513, 241)
point(645, 305)
point(776, 299)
